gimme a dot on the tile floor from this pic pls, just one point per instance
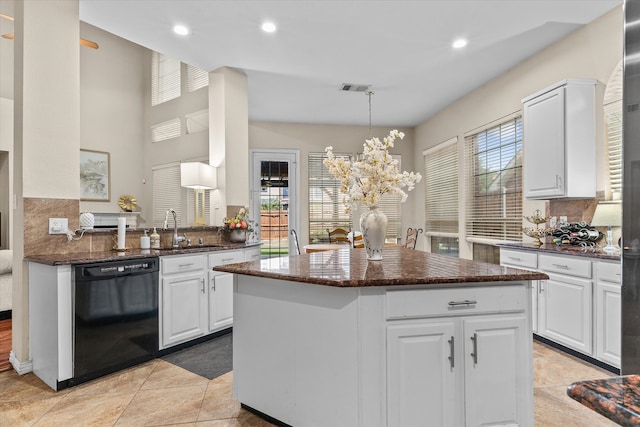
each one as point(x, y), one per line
point(158, 393)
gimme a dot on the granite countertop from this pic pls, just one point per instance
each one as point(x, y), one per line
point(562, 249)
point(616, 398)
point(350, 268)
point(91, 257)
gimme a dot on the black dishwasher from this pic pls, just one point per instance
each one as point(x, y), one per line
point(116, 316)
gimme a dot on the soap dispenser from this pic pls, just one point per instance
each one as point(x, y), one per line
point(155, 239)
point(145, 241)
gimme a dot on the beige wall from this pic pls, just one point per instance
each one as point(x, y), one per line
point(591, 52)
point(311, 138)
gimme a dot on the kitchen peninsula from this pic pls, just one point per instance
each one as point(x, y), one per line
point(329, 338)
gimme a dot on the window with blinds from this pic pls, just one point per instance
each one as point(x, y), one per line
point(165, 78)
point(196, 78)
point(197, 121)
point(167, 193)
point(613, 121)
point(166, 130)
point(441, 188)
point(327, 210)
point(494, 159)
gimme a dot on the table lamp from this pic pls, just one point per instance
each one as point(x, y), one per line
point(608, 214)
point(199, 177)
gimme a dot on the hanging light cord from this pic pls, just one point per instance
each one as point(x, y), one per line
point(369, 93)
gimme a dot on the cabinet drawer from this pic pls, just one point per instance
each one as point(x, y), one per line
point(181, 264)
point(564, 265)
point(252, 254)
point(609, 272)
point(225, 257)
point(411, 303)
point(519, 258)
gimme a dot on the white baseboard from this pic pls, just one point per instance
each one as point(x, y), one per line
point(20, 367)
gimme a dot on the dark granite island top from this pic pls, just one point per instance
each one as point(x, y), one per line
point(350, 268)
point(616, 398)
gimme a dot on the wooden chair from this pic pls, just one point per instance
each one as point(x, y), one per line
point(358, 241)
point(412, 237)
point(338, 235)
point(295, 241)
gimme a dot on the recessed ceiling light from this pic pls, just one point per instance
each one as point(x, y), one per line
point(269, 27)
point(181, 30)
point(459, 43)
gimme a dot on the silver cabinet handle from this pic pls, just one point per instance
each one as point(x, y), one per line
point(451, 350)
point(474, 338)
point(202, 281)
point(514, 258)
point(213, 283)
point(562, 266)
point(465, 302)
point(185, 265)
point(227, 259)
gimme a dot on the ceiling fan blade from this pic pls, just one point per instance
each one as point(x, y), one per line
point(83, 42)
point(88, 43)
point(2, 15)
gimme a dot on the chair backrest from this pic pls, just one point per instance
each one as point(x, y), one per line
point(295, 241)
point(358, 241)
point(338, 235)
point(412, 237)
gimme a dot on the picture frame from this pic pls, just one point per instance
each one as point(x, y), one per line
point(95, 176)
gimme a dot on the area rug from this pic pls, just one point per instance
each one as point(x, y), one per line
point(209, 359)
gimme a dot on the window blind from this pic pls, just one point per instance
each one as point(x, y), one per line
point(167, 193)
point(494, 164)
point(326, 207)
point(441, 188)
point(166, 130)
point(390, 204)
point(165, 78)
point(197, 121)
point(613, 116)
point(196, 78)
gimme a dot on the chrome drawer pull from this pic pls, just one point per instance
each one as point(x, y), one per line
point(465, 302)
point(227, 259)
point(514, 258)
point(185, 265)
point(563, 266)
point(451, 350)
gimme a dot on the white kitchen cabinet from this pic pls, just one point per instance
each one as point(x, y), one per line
point(527, 261)
point(183, 295)
point(221, 290)
point(608, 313)
point(439, 371)
point(421, 379)
point(252, 254)
point(580, 305)
point(559, 140)
point(566, 313)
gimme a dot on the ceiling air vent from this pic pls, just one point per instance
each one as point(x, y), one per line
point(352, 87)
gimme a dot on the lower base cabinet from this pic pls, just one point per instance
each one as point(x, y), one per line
point(441, 372)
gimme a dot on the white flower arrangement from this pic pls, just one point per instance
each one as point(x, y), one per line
point(366, 180)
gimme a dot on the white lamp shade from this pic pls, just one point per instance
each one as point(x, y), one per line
point(198, 176)
point(607, 214)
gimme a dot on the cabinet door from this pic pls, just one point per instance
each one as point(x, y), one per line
point(544, 141)
point(184, 308)
point(421, 374)
point(220, 301)
point(497, 364)
point(608, 323)
point(566, 315)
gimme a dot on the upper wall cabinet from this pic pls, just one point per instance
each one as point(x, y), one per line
point(559, 141)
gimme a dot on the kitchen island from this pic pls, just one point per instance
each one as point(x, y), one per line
point(330, 338)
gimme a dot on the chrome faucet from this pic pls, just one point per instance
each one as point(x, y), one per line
point(176, 239)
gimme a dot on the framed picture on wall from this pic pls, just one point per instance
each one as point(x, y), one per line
point(95, 179)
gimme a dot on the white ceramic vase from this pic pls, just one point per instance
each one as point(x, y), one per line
point(238, 236)
point(373, 224)
point(87, 220)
